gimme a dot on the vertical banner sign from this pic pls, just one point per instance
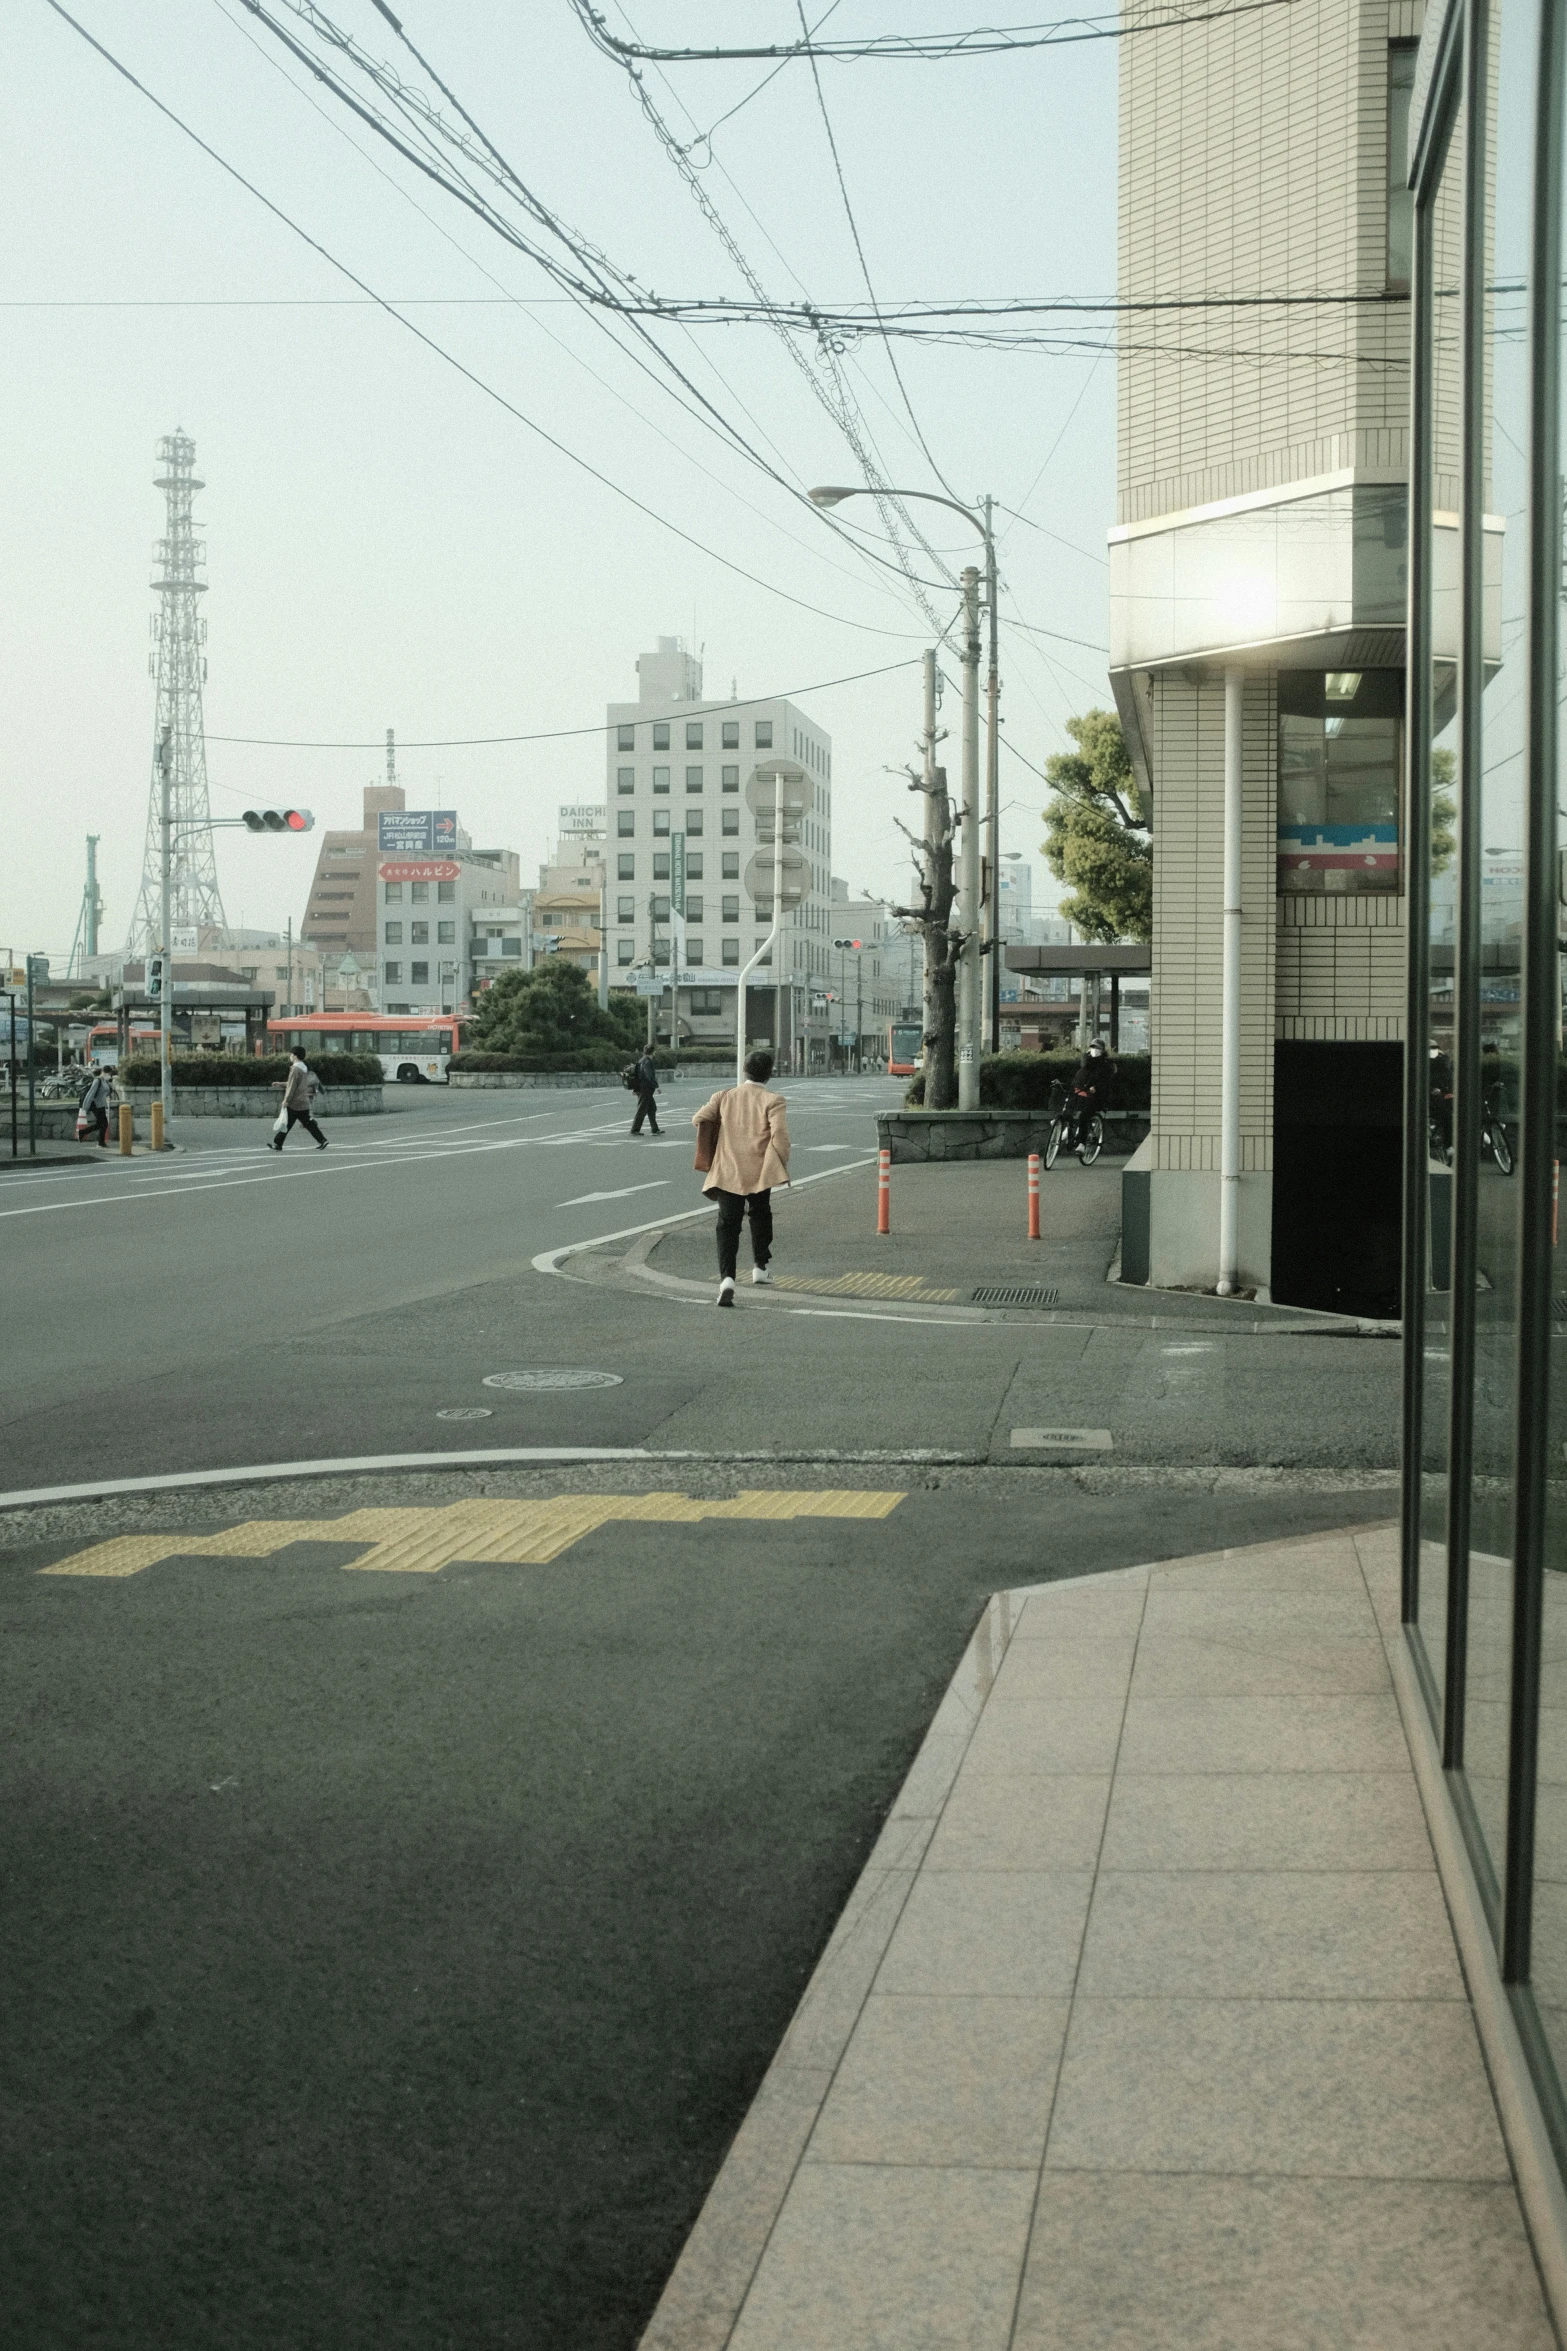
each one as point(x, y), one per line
point(677, 901)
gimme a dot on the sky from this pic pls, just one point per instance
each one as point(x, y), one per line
point(390, 546)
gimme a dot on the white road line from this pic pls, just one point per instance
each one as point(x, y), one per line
point(549, 1260)
point(944, 1322)
point(583, 1199)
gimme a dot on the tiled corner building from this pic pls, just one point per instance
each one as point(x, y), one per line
point(1261, 525)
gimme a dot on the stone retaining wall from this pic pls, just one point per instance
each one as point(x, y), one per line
point(537, 1077)
point(246, 1102)
point(916, 1136)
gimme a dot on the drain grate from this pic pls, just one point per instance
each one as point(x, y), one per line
point(1001, 1297)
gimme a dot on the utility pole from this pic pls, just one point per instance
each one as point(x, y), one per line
point(971, 967)
point(166, 994)
point(931, 834)
point(993, 793)
point(288, 940)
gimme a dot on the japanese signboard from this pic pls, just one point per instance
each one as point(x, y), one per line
point(417, 832)
point(419, 869)
point(677, 872)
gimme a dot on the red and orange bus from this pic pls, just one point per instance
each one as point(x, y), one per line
point(415, 1047)
point(905, 1048)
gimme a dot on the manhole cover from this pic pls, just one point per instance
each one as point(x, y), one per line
point(1016, 1297)
point(466, 1412)
point(553, 1379)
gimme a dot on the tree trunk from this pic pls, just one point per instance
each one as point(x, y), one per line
point(933, 919)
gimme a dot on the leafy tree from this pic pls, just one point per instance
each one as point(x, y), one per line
point(1097, 838)
point(553, 1009)
point(1444, 809)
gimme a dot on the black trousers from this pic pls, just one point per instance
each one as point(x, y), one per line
point(647, 1108)
point(100, 1119)
point(302, 1118)
point(732, 1207)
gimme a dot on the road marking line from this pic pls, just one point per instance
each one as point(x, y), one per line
point(549, 1260)
point(658, 1184)
point(423, 1540)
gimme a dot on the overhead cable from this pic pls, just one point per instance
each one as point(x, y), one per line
point(918, 48)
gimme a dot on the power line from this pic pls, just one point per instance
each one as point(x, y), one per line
point(981, 41)
point(556, 734)
point(490, 391)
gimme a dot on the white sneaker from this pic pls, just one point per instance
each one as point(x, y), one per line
point(761, 1275)
point(726, 1291)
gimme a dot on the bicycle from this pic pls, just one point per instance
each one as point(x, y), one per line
point(1494, 1136)
point(1069, 1126)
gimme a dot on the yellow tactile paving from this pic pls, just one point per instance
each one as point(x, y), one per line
point(421, 1541)
point(867, 1285)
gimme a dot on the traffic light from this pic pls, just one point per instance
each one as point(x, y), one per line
point(846, 943)
point(157, 965)
point(279, 820)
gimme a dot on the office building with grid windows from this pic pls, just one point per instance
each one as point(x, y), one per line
point(677, 766)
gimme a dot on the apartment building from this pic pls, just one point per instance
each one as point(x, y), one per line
point(1258, 589)
point(676, 770)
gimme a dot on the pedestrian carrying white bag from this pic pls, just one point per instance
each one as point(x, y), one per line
point(280, 1126)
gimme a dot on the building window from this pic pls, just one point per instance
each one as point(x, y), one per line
point(731, 819)
point(625, 779)
point(693, 779)
point(732, 907)
point(1400, 196)
point(419, 892)
point(625, 909)
point(660, 950)
point(660, 822)
point(766, 954)
point(418, 934)
point(626, 866)
point(694, 824)
point(393, 975)
point(693, 911)
point(731, 740)
point(661, 734)
point(660, 910)
point(1339, 755)
point(446, 934)
point(694, 951)
point(661, 865)
point(625, 823)
point(446, 893)
point(730, 779)
point(660, 779)
point(693, 734)
point(625, 950)
point(418, 975)
point(394, 893)
point(511, 946)
point(731, 951)
point(625, 738)
point(693, 865)
point(730, 862)
point(764, 734)
point(394, 934)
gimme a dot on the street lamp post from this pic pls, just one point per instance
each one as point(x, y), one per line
point(971, 987)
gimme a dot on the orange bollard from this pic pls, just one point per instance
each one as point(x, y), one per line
point(125, 1130)
point(1033, 1195)
point(884, 1192)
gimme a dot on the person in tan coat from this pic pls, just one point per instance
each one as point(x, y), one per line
point(750, 1156)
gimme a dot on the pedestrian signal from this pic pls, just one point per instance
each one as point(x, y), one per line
point(157, 965)
point(279, 820)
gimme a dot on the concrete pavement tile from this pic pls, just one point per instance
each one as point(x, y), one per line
point(1239, 1663)
point(1273, 1734)
point(1080, 1613)
point(1046, 1735)
point(698, 2306)
point(1278, 2265)
point(931, 1775)
point(945, 2081)
point(1285, 1935)
point(867, 2259)
point(830, 2005)
point(989, 1932)
point(1272, 1567)
point(1331, 1616)
point(1265, 1820)
point(1004, 1820)
point(1068, 1668)
point(1375, 2089)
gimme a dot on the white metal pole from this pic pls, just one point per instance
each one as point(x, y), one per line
point(166, 1008)
point(970, 968)
point(604, 935)
point(747, 968)
point(1230, 1025)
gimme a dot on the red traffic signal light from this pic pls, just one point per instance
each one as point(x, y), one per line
point(279, 820)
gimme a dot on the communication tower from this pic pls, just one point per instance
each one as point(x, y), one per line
point(180, 667)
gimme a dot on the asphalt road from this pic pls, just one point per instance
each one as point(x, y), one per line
point(390, 1957)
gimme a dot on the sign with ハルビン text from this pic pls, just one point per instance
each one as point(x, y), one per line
point(417, 832)
point(419, 869)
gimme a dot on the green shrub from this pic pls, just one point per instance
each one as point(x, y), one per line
point(238, 1069)
point(588, 1058)
point(551, 1017)
point(1022, 1081)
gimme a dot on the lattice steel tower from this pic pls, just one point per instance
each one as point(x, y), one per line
point(180, 667)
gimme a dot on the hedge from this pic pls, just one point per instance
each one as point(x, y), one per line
point(1022, 1081)
point(602, 1056)
point(234, 1069)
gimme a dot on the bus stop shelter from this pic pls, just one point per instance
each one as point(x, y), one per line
point(227, 1015)
point(1086, 964)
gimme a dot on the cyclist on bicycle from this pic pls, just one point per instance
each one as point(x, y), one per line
point(1091, 1081)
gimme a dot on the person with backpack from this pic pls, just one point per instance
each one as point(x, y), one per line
point(642, 1078)
point(95, 1104)
point(745, 1153)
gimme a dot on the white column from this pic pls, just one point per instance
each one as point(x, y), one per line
point(1230, 1039)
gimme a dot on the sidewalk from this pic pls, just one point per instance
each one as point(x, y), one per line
point(1144, 2028)
point(959, 1244)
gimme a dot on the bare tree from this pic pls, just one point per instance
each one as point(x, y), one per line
point(933, 919)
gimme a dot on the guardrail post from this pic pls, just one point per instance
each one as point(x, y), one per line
point(1033, 1195)
point(125, 1130)
point(884, 1191)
